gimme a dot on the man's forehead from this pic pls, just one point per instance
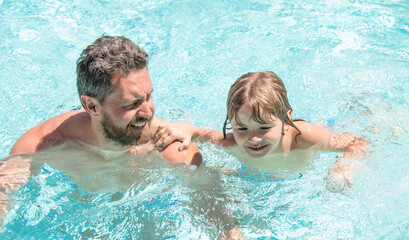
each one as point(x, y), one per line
point(135, 84)
point(137, 74)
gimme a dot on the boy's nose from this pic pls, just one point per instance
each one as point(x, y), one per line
point(254, 139)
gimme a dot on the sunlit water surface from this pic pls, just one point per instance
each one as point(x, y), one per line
point(344, 61)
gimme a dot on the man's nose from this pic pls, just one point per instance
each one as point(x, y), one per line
point(145, 110)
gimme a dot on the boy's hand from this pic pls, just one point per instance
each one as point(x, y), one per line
point(168, 133)
point(341, 175)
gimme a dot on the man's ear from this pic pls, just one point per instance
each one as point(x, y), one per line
point(91, 105)
point(289, 112)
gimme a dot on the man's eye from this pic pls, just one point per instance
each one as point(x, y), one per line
point(265, 128)
point(242, 129)
point(134, 105)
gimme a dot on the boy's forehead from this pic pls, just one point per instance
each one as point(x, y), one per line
point(248, 114)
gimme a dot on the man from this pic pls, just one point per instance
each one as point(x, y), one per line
point(116, 92)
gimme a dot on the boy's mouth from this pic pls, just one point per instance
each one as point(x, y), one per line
point(257, 148)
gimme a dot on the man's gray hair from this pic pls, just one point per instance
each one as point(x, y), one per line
point(100, 61)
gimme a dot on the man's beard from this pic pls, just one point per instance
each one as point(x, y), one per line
point(122, 136)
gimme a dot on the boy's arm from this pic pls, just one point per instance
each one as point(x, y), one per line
point(314, 135)
point(354, 148)
point(185, 132)
point(215, 137)
point(344, 169)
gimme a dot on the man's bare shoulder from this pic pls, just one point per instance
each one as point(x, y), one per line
point(52, 132)
point(74, 124)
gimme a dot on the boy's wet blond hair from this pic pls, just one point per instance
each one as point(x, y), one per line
point(266, 95)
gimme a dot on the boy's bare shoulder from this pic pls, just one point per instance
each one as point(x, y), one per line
point(311, 135)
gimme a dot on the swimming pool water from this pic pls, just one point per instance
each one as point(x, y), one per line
point(341, 60)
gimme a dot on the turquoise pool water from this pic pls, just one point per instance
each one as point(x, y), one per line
point(341, 60)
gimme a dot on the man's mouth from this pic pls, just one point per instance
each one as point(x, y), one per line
point(257, 148)
point(139, 125)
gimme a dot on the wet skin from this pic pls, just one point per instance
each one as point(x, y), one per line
point(129, 110)
point(257, 139)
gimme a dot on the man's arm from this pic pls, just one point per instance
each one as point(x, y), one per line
point(14, 173)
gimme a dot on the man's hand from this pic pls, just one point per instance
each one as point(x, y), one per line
point(170, 132)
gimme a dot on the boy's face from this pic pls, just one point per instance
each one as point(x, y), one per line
point(257, 139)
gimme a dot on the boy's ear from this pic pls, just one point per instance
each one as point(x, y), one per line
point(91, 105)
point(289, 112)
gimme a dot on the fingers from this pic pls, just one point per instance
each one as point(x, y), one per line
point(339, 183)
point(158, 134)
point(165, 136)
point(168, 139)
point(161, 138)
point(160, 143)
point(185, 144)
point(164, 141)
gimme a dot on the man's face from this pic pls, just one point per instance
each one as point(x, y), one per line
point(129, 109)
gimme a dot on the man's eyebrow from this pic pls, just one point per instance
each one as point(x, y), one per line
point(131, 101)
point(135, 99)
